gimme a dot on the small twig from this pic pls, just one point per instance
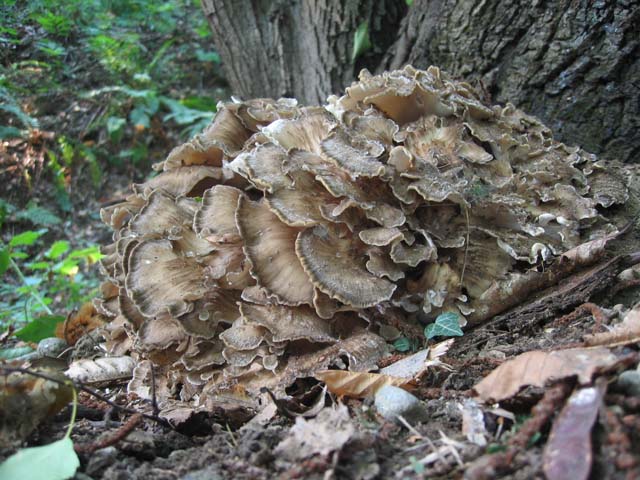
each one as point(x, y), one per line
point(88, 390)
point(124, 430)
point(233, 437)
point(409, 426)
point(154, 401)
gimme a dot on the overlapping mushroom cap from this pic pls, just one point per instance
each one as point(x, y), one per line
point(279, 239)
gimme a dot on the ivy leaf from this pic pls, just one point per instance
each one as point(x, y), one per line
point(5, 259)
point(56, 461)
point(447, 324)
point(361, 41)
point(115, 128)
point(39, 328)
point(403, 344)
point(26, 238)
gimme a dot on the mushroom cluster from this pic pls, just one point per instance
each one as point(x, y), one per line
point(283, 237)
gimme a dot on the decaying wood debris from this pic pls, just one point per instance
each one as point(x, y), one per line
point(278, 241)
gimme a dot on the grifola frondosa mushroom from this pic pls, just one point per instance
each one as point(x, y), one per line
point(268, 246)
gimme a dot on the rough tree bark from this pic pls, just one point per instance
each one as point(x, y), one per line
point(573, 63)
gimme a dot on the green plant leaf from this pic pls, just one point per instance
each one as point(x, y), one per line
point(68, 266)
point(115, 128)
point(91, 254)
point(9, 132)
point(211, 56)
point(56, 461)
point(26, 238)
point(38, 216)
point(447, 324)
point(403, 344)
point(139, 116)
point(361, 41)
point(15, 352)
point(5, 260)
point(58, 248)
point(39, 328)
point(38, 265)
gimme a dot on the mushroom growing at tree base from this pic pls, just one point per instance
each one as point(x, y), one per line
point(278, 241)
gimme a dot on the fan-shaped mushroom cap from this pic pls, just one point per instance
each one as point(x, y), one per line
point(187, 181)
point(338, 269)
point(160, 279)
point(269, 245)
point(287, 324)
point(160, 332)
point(305, 132)
point(225, 136)
point(216, 307)
point(243, 336)
point(215, 220)
point(359, 159)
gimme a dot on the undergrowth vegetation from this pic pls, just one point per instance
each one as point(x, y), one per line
point(91, 93)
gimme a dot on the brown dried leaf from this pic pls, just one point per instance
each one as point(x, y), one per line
point(25, 401)
point(622, 334)
point(415, 365)
point(326, 433)
point(537, 368)
point(79, 323)
point(568, 453)
point(358, 384)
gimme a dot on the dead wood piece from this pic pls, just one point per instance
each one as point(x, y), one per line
point(574, 290)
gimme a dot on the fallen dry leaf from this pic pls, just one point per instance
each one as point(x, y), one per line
point(358, 384)
point(101, 370)
point(25, 401)
point(326, 433)
point(473, 426)
point(79, 323)
point(415, 365)
point(622, 334)
point(537, 368)
point(568, 454)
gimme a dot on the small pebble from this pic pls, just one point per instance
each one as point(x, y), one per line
point(392, 401)
point(629, 382)
point(493, 354)
point(208, 473)
point(51, 347)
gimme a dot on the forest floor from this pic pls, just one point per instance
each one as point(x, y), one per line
point(89, 107)
point(514, 438)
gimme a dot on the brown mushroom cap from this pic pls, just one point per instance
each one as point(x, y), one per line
point(338, 270)
point(269, 245)
point(161, 279)
point(215, 220)
point(288, 324)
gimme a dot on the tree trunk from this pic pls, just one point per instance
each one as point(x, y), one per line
point(572, 63)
